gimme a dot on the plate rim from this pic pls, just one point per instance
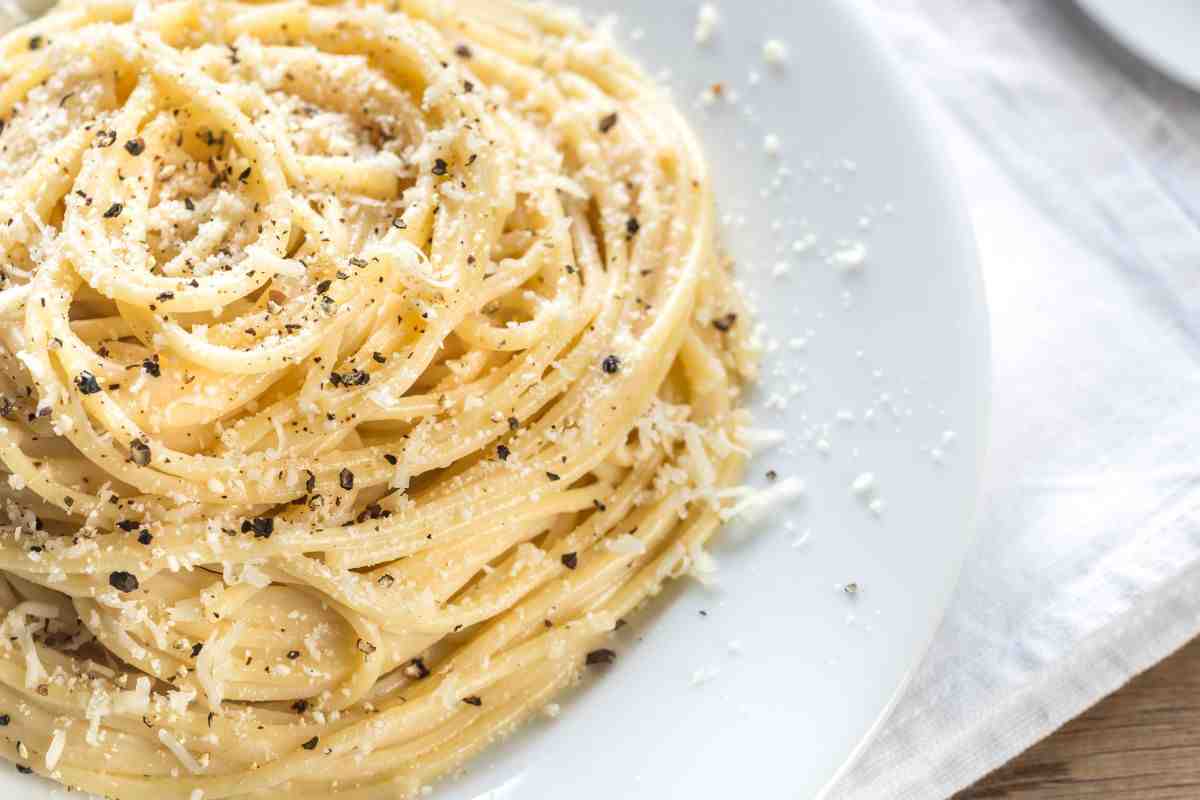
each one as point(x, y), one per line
point(924, 122)
point(1098, 13)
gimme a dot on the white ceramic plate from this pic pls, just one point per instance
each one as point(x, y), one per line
point(1163, 32)
point(901, 345)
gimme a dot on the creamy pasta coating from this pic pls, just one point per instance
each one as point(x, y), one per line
point(362, 366)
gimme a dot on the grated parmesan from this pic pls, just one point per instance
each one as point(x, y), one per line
point(849, 256)
point(701, 565)
point(58, 743)
point(216, 650)
point(864, 485)
point(187, 759)
point(707, 19)
point(775, 52)
point(754, 504)
point(136, 701)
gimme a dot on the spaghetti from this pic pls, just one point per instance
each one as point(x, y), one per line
point(362, 366)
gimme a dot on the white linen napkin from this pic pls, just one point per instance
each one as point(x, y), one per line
point(1080, 165)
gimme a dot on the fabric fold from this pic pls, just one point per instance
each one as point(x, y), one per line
point(1079, 164)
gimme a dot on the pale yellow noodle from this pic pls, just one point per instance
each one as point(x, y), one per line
point(362, 366)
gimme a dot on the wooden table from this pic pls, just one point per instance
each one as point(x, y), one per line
point(1142, 743)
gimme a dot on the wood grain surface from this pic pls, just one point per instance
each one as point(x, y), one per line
point(1141, 743)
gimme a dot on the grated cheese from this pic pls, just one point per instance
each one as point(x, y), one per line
point(171, 743)
point(775, 52)
point(179, 701)
point(758, 440)
point(706, 23)
point(136, 701)
point(701, 565)
point(35, 673)
point(755, 504)
point(98, 707)
point(216, 650)
point(864, 485)
point(849, 256)
point(58, 743)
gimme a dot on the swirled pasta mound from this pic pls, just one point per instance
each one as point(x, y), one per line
point(362, 365)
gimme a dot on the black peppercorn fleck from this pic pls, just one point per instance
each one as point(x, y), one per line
point(87, 383)
point(262, 527)
point(725, 323)
point(602, 656)
point(355, 377)
point(123, 581)
point(140, 452)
